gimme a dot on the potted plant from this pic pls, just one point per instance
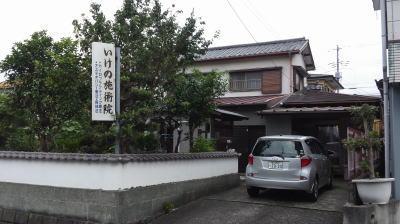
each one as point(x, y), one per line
point(370, 188)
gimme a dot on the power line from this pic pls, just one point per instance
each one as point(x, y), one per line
point(237, 15)
point(263, 23)
point(360, 45)
point(241, 21)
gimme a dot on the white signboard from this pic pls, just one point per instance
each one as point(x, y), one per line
point(103, 81)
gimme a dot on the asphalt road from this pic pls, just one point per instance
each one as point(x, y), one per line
point(273, 206)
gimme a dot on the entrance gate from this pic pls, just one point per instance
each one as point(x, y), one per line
point(244, 138)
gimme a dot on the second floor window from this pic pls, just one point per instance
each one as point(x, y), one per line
point(245, 81)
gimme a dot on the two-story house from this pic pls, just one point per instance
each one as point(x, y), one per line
point(268, 94)
point(258, 74)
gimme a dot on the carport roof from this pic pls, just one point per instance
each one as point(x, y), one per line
point(316, 97)
point(306, 110)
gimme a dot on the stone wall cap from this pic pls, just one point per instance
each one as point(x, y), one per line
point(123, 158)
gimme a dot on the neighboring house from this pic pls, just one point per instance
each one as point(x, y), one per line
point(324, 83)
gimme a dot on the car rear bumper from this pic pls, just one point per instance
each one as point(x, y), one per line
point(303, 185)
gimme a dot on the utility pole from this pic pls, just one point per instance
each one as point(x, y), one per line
point(338, 75)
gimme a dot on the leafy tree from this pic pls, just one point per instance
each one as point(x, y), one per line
point(15, 133)
point(370, 142)
point(155, 51)
point(194, 97)
point(47, 83)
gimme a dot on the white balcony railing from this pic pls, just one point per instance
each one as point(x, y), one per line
point(245, 85)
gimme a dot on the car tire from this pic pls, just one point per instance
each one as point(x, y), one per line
point(313, 196)
point(253, 191)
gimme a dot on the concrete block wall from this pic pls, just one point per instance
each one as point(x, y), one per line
point(146, 202)
point(11, 216)
point(84, 204)
point(52, 205)
point(372, 214)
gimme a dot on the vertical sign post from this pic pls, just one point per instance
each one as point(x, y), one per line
point(106, 61)
point(117, 97)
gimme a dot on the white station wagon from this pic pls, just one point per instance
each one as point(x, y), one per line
point(288, 162)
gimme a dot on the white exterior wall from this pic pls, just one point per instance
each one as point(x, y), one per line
point(184, 145)
point(111, 176)
point(298, 60)
point(250, 63)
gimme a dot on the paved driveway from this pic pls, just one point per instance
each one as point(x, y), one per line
point(273, 206)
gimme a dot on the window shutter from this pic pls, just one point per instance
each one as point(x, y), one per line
point(272, 82)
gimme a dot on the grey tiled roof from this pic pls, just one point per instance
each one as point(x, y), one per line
point(245, 100)
point(122, 158)
point(255, 49)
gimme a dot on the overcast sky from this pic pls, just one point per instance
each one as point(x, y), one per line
point(351, 24)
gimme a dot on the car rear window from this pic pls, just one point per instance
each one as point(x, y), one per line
point(286, 148)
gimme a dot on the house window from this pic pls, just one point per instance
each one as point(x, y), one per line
point(245, 81)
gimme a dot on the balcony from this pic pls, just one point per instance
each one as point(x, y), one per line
point(244, 85)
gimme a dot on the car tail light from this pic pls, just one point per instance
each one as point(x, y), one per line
point(250, 159)
point(305, 161)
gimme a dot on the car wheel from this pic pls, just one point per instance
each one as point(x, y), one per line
point(314, 190)
point(253, 191)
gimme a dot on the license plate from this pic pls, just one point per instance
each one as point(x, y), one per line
point(275, 165)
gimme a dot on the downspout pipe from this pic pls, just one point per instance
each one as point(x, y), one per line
point(386, 116)
point(291, 74)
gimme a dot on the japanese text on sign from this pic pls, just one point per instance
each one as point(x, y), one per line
point(103, 82)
